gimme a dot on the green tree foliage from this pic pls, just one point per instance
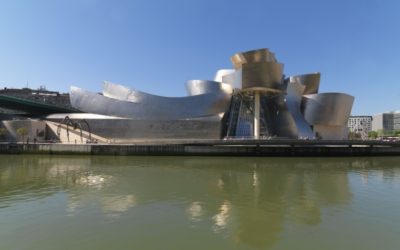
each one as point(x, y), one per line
point(372, 134)
point(354, 136)
point(383, 133)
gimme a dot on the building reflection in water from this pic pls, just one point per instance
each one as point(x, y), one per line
point(221, 219)
point(249, 201)
point(113, 206)
point(195, 211)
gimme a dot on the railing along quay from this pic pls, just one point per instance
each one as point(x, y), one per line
point(216, 148)
point(292, 142)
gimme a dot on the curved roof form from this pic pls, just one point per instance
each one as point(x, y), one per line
point(124, 102)
point(332, 109)
point(257, 70)
point(266, 75)
point(310, 81)
point(252, 56)
point(199, 87)
point(219, 75)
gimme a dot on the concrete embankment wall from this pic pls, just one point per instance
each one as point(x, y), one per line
point(202, 149)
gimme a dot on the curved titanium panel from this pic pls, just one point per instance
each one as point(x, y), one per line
point(295, 91)
point(234, 79)
point(198, 87)
point(221, 73)
point(310, 81)
point(122, 102)
point(262, 75)
point(252, 56)
point(331, 109)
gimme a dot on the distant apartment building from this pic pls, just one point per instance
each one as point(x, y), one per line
point(388, 121)
point(359, 124)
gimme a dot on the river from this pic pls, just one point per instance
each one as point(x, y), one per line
point(84, 202)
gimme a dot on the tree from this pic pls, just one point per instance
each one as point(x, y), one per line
point(372, 134)
point(381, 132)
point(354, 136)
point(22, 132)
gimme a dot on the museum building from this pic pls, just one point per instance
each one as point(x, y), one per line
point(253, 100)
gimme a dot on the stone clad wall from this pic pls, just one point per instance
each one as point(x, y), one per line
point(35, 129)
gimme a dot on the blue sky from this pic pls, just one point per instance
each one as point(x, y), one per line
point(155, 46)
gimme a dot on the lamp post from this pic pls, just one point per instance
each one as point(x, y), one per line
point(256, 115)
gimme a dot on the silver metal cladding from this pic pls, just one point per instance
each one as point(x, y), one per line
point(331, 109)
point(125, 130)
point(221, 73)
point(267, 75)
point(123, 102)
point(295, 91)
point(310, 81)
point(231, 104)
point(257, 69)
point(252, 56)
point(199, 87)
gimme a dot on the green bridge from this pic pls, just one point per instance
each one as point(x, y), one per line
point(32, 107)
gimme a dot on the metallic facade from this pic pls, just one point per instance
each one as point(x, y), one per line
point(331, 109)
point(120, 101)
point(107, 129)
point(295, 90)
point(252, 100)
point(199, 87)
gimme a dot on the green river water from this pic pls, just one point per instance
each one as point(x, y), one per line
point(65, 202)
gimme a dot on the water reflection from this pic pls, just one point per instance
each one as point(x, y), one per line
point(195, 211)
point(117, 204)
point(222, 217)
point(93, 181)
point(249, 201)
